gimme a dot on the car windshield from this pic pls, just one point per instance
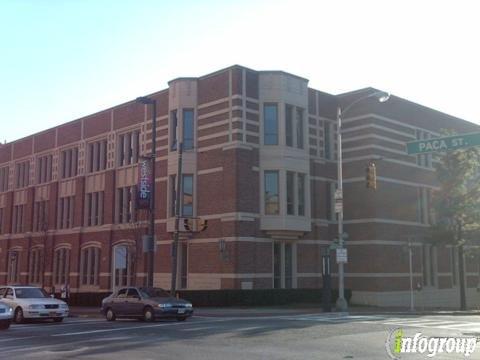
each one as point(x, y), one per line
point(30, 293)
point(153, 292)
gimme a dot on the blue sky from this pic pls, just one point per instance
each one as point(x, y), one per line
point(61, 60)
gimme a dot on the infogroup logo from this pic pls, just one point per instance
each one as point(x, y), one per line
point(398, 345)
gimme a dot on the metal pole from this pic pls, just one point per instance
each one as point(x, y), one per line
point(178, 193)
point(341, 302)
point(151, 240)
point(410, 256)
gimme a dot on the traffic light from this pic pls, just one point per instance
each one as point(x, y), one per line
point(186, 224)
point(371, 177)
point(203, 224)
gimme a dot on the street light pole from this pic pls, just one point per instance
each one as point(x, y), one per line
point(151, 229)
point(382, 96)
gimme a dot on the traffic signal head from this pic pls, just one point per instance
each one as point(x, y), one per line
point(186, 224)
point(203, 224)
point(371, 177)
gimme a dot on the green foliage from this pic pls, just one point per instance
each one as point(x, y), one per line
point(457, 204)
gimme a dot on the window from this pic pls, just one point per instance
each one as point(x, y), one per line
point(133, 293)
point(2, 212)
point(289, 125)
point(173, 127)
point(124, 265)
point(429, 265)
point(173, 194)
point(13, 266)
point(422, 205)
point(97, 156)
point(69, 163)
point(4, 179)
point(44, 169)
point(301, 194)
point(188, 128)
point(35, 267)
point(89, 264)
point(125, 204)
point(277, 263)
point(299, 129)
point(128, 148)
point(290, 193)
point(65, 212)
point(61, 266)
point(22, 174)
point(183, 265)
point(40, 215)
point(270, 118)
point(18, 219)
point(187, 195)
point(94, 209)
point(454, 264)
point(327, 140)
point(329, 193)
point(272, 205)
point(282, 265)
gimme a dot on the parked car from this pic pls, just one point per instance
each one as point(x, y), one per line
point(6, 315)
point(30, 302)
point(146, 304)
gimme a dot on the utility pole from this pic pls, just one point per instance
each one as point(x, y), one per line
point(410, 263)
point(178, 201)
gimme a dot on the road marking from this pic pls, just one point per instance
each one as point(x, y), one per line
point(16, 338)
point(51, 325)
point(132, 328)
point(199, 328)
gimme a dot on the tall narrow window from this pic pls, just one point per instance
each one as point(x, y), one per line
point(69, 163)
point(270, 118)
point(35, 268)
point(128, 148)
point(13, 266)
point(18, 219)
point(453, 264)
point(94, 209)
point(327, 140)
point(272, 206)
point(124, 265)
point(125, 204)
point(329, 189)
point(22, 174)
point(66, 208)
point(288, 266)
point(40, 215)
point(188, 129)
point(290, 193)
point(173, 128)
point(89, 264)
point(4, 179)
point(301, 194)
point(184, 266)
point(299, 129)
point(187, 190)
point(173, 194)
point(277, 265)
point(61, 266)
point(289, 125)
point(44, 169)
point(97, 156)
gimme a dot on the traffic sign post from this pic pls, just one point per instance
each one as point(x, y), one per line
point(342, 256)
point(443, 143)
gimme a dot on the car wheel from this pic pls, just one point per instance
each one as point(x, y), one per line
point(148, 314)
point(58, 319)
point(181, 318)
point(19, 318)
point(110, 315)
point(4, 325)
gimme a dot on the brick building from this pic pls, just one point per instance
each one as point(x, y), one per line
point(258, 163)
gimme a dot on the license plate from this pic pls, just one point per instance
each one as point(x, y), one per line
point(52, 313)
point(181, 311)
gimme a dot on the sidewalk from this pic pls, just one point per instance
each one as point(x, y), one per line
point(94, 312)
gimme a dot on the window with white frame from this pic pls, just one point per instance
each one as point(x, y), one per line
point(271, 193)
point(97, 156)
point(4, 179)
point(44, 169)
point(22, 174)
point(94, 208)
point(125, 205)
point(89, 265)
point(35, 266)
point(188, 129)
point(61, 266)
point(270, 124)
point(65, 212)
point(128, 148)
point(13, 275)
point(124, 261)
point(69, 163)
point(295, 193)
point(187, 195)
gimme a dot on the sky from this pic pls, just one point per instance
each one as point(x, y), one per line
point(62, 60)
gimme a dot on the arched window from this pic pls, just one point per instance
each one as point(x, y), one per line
point(123, 265)
point(13, 266)
point(35, 266)
point(61, 266)
point(89, 265)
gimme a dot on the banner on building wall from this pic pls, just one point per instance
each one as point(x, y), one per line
point(144, 183)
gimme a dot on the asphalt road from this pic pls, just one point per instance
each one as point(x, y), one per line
point(306, 336)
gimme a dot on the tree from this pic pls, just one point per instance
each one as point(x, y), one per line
point(457, 204)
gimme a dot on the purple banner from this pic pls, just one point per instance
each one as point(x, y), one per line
point(144, 183)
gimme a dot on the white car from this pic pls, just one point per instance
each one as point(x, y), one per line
point(6, 315)
point(29, 302)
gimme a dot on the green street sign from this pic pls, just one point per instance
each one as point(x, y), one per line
point(443, 143)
